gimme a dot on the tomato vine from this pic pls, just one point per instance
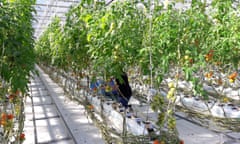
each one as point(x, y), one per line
point(16, 64)
point(184, 44)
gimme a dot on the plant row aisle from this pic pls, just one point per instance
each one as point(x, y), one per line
point(16, 63)
point(200, 45)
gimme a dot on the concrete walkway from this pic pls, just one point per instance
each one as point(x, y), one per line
point(52, 118)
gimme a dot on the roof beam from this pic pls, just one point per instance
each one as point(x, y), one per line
point(51, 10)
point(69, 1)
point(48, 5)
point(48, 16)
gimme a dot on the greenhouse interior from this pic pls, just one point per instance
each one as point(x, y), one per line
point(120, 72)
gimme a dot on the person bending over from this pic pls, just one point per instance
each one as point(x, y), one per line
point(124, 89)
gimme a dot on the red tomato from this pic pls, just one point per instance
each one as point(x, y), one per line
point(22, 136)
point(3, 116)
point(10, 116)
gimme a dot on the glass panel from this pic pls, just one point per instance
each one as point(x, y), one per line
point(45, 10)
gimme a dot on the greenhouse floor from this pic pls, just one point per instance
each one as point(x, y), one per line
point(53, 118)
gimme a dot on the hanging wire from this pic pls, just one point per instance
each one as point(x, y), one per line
point(150, 44)
point(150, 92)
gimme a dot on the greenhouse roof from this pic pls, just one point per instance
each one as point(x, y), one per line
point(46, 10)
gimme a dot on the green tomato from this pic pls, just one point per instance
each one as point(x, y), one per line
point(171, 85)
point(186, 57)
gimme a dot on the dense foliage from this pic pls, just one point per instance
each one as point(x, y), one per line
point(16, 64)
point(17, 53)
point(155, 39)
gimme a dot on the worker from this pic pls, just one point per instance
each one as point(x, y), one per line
point(124, 89)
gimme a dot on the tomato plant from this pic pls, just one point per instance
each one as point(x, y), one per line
point(17, 55)
point(115, 37)
point(16, 63)
point(159, 40)
point(75, 39)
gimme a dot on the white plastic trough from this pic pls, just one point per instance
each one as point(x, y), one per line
point(134, 125)
point(215, 109)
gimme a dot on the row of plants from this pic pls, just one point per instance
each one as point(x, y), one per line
point(16, 63)
point(150, 36)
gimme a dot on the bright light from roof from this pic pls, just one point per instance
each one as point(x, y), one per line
point(47, 9)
